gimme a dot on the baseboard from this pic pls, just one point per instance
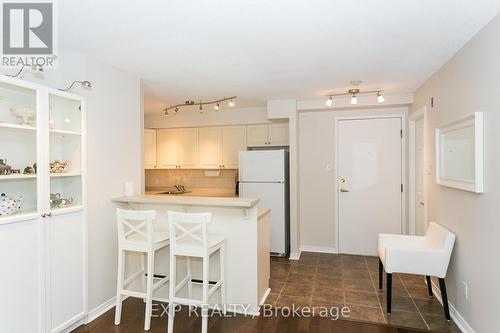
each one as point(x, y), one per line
point(322, 249)
point(455, 315)
point(294, 256)
point(101, 309)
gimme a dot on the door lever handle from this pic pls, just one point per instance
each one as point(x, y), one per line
point(343, 190)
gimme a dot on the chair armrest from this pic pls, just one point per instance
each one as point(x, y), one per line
point(404, 241)
point(423, 261)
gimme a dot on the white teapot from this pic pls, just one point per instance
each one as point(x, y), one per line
point(9, 206)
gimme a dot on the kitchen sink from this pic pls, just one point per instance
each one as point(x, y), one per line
point(174, 192)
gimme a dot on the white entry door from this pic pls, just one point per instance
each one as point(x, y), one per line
point(420, 224)
point(369, 182)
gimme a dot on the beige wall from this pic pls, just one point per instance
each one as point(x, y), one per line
point(316, 183)
point(470, 82)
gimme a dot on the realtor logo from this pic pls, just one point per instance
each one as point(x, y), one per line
point(28, 33)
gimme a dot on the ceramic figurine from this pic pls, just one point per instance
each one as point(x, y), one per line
point(4, 168)
point(9, 206)
point(58, 167)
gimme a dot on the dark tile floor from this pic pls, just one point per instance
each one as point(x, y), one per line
point(323, 279)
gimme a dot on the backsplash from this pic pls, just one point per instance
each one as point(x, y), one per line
point(162, 178)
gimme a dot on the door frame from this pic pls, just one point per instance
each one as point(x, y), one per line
point(414, 117)
point(402, 118)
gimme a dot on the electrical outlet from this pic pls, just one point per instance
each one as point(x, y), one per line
point(465, 290)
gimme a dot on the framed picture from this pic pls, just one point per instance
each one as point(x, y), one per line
point(459, 154)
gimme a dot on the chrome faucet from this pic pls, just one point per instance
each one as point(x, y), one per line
point(180, 188)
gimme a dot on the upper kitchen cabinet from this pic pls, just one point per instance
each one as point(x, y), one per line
point(220, 146)
point(267, 135)
point(149, 149)
point(188, 148)
point(211, 147)
point(234, 140)
point(177, 148)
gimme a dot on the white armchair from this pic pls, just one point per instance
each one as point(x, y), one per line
point(427, 255)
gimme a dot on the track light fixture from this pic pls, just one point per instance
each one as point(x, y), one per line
point(354, 96)
point(380, 98)
point(329, 101)
point(34, 68)
point(85, 84)
point(200, 104)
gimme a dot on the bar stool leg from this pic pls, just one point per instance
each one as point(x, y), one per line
point(149, 290)
point(119, 286)
point(204, 306)
point(143, 269)
point(190, 284)
point(222, 258)
point(171, 294)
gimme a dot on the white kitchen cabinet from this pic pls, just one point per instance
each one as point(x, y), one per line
point(211, 147)
point(44, 243)
point(257, 135)
point(168, 148)
point(177, 148)
point(267, 135)
point(149, 148)
point(234, 140)
point(188, 148)
point(277, 135)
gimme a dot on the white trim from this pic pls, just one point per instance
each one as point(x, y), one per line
point(320, 249)
point(101, 309)
point(294, 255)
point(455, 315)
point(402, 118)
point(417, 115)
point(264, 298)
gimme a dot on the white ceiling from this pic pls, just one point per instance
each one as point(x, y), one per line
point(262, 49)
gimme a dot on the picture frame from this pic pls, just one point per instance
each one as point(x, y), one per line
point(460, 154)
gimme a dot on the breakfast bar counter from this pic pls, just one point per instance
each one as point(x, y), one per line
point(246, 227)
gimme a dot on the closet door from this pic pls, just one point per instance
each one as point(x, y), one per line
point(234, 140)
point(211, 147)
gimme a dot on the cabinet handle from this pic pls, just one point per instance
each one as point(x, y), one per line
point(49, 214)
point(44, 215)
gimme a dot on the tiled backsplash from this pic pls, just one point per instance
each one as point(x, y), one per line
point(160, 178)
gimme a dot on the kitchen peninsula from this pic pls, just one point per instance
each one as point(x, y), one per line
point(246, 228)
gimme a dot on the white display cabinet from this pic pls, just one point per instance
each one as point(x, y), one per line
point(44, 241)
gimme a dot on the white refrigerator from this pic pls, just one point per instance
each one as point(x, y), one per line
point(263, 174)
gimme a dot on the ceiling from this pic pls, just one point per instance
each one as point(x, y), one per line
point(261, 49)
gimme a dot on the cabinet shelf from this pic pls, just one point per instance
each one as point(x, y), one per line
point(17, 127)
point(64, 132)
point(65, 174)
point(17, 176)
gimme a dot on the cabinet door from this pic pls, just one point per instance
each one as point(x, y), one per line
point(65, 238)
point(234, 140)
point(149, 148)
point(210, 147)
point(168, 148)
point(21, 276)
point(188, 148)
point(256, 135)
point(278, 135)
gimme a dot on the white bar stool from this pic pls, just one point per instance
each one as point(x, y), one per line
point(189, 238)
point(136, 234)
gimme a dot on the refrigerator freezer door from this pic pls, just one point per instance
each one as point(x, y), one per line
point(262, 166)
point(272, 195)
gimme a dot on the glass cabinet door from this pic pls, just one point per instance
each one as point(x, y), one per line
point(18, 151)
point(65, 152)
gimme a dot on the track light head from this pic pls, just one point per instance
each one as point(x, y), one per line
point(176, 110)
point(216, 106)
point(34, 68)
point(329, 101)
point(201, 108)
point(37, 68)
point(166, 113)
point(380, 98)
point(231, 103)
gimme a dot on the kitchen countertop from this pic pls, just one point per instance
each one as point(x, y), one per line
point(177, 199)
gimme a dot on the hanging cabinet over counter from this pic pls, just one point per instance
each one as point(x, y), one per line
point(214, 147)
point(43, 245)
